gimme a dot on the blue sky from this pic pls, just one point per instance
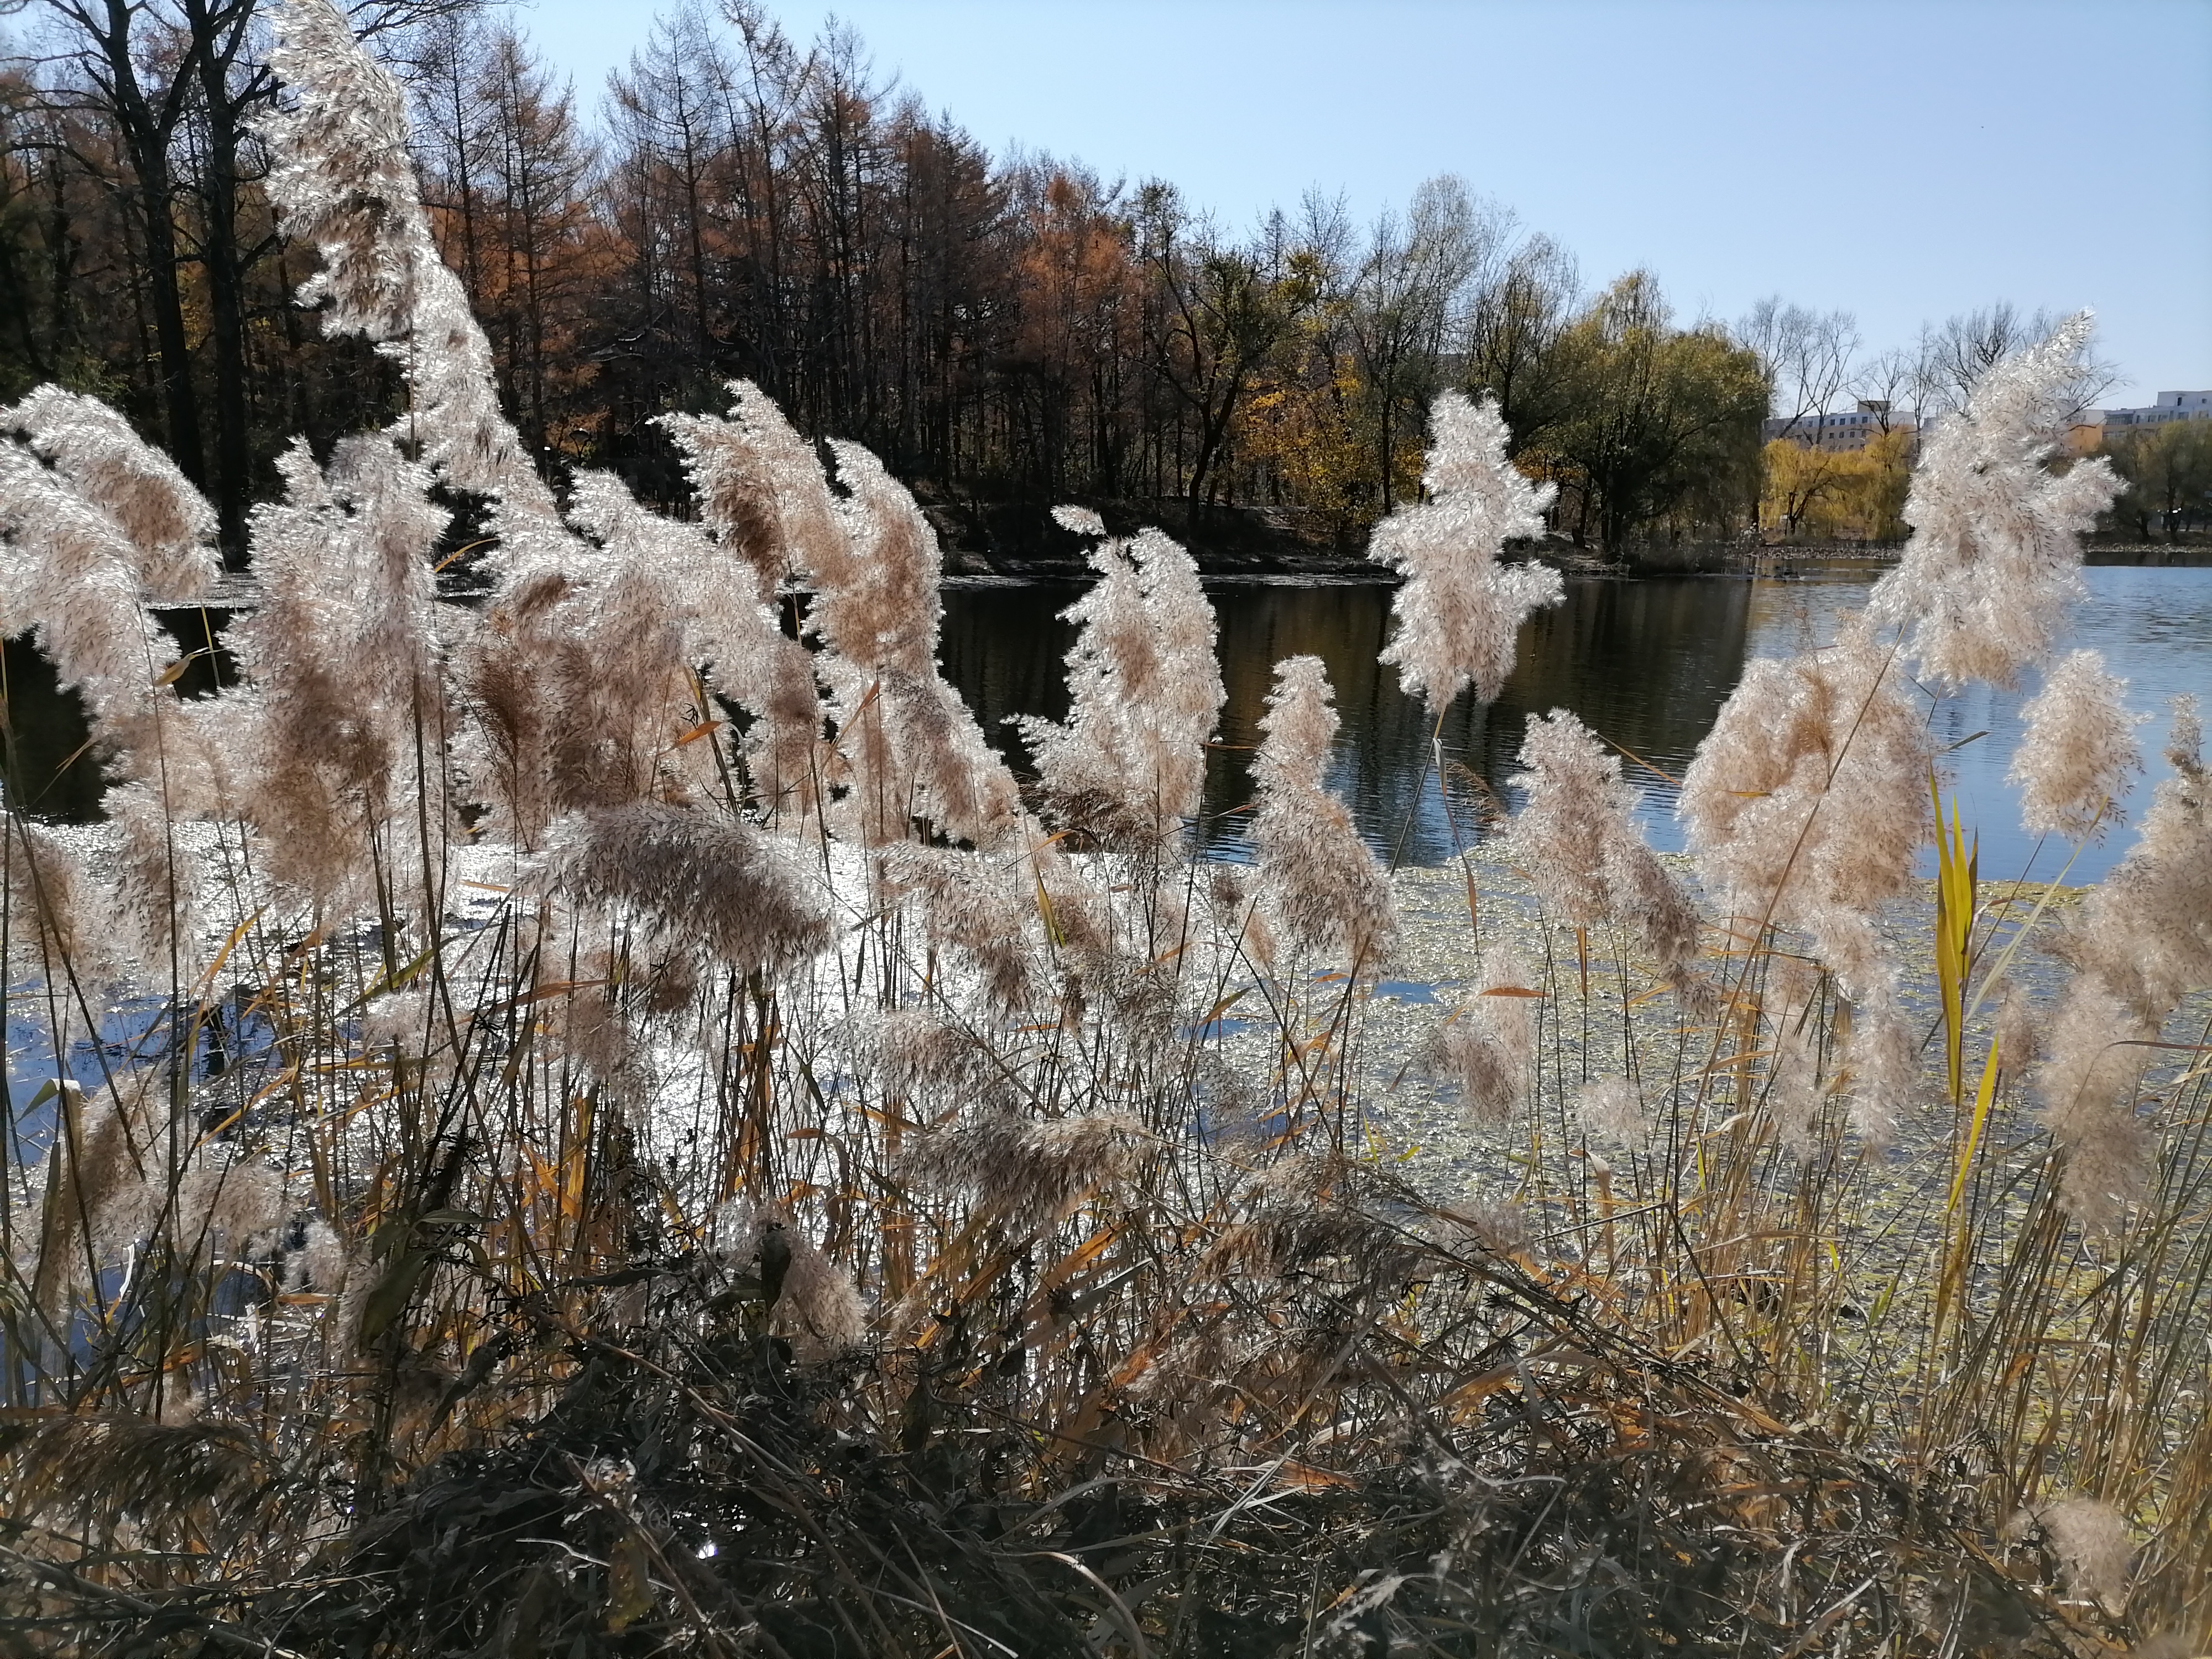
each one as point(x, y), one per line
point(1902, 160)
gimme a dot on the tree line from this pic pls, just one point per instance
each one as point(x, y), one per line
point(1011, 330)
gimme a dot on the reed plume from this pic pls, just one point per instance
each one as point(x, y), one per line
point(814, 1306)
point(104, 1180)
point(908, 747)
point(1805, 805)
point(1327, 898)
point(93, 452)
point(978, 908)
point(1486, 1050)
point(342, 179)
point(1794, 1086)
point(1993, 564)
point(938, 1065)
point(2078, 752)
point(2141, 942)
point(580, 1001)
point(1144, 692)
point(2088, 1540)
point(60, 923)
point(1575, 836)
point(1024, 1171)
point(90, 517)
point(760, 488)
point(1459, 612)
point(344, 663)
point(155, 906)
point(1809, 795)
point(692, 878)
point(1612, 1108)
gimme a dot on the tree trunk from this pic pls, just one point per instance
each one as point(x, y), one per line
point(226, 280)
point(179, 401)
point(146, 136)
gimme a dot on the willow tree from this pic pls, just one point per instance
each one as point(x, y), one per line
point(1659, 421)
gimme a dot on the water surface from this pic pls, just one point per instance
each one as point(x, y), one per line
point(1647, 662)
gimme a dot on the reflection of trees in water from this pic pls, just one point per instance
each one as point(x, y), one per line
point(1788, 618)
point(1006, 649)
point(1645, 662)
point(45, 727)
point(48, 769)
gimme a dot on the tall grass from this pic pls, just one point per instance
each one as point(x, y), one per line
point(599, 1123)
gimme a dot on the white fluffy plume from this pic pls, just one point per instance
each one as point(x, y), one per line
point(1994, 559)
point(1460, 613)
point(2074, 761)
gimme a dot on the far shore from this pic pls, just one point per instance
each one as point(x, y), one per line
point(966, 570)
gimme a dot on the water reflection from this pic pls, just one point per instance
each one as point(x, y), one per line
point(1646, 663)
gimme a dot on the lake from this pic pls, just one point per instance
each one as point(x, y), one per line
point(1646, 663)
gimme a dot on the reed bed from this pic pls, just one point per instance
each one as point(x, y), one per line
point(609, 1121)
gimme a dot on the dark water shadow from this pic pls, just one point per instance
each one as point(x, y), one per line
point(1647, 663)
point(47, 765)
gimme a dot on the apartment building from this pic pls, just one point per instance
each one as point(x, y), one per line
point(2170, 406)
point(1853, 429)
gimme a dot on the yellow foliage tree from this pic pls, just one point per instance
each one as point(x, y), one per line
point(1829, 495)
point(1308, 421)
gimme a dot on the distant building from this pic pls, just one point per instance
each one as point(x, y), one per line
point(2170, 406)
point(1854, 429)
point(2085, 432)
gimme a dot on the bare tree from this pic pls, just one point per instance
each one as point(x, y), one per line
point(1521, 306)
point(1224, 309)
point(179, 83)
point(1411, 292)
point(1957, 353)
point(140, 73)
point(1807, 356)
point(1887, 383)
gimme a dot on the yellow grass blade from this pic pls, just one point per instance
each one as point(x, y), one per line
point(1983, 1097)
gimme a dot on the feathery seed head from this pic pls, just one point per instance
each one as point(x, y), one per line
point(1575, 836)
point(1459, 611)
point(1810, 792)
point(341, 178)
point(762, 491)
point(2074, 761)
point(168, 523)
point(2141, 943)
point(2088, 1540)
point(1028, 1172)
point(693, 877)
point(1322, 889)
point(1994, 557)
point(1486, 1050)
point(1577, 805)
point(977, 906)
point(815, 1307)
point(1145, 692)
point(1611, 1109)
